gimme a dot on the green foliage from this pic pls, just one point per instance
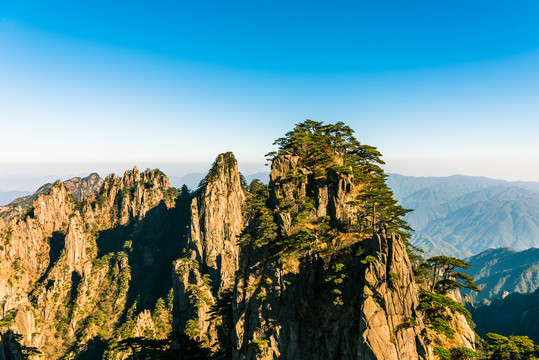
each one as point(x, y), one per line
point(463, 353)
point(410, 322)
point(443, 327)
point(262, 345)
point(8, 318)
point(450, 278)
point(264, 229)
point(332, 148)
point(369, 259)
point(262, 294)
point(171, 194)
point(394, 276)
point(176, 346)
point(513, 347)
point(442, 353)
point(434, 304)
point(192, 329)
point(170, 299)
point(102, 199)
point(198, 297)
point(435, 308)
point(183, 265)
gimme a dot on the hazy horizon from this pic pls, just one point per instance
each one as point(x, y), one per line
point(49, 172)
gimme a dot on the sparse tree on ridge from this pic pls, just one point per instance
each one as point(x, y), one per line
point(450, 279)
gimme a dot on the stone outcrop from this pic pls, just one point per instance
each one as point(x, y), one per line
point(216, 221)
point(81, 188)
point(392, 327)
point(334, 193)
point(332, 308)
point(66, 270)
point(78, 187)
point(211, 258)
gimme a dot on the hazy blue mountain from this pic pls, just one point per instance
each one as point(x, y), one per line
point(262, 176)
point(464, 215)
point(501, 271)
point(8, 196)
point(191, 180)
point(26, 183)
point(451, 186)
point(432, 246)
point(434, 197)
point(489, 224)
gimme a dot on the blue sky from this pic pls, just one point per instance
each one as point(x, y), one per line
point(439, 87)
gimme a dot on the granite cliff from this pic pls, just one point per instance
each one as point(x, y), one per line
point(312, 266)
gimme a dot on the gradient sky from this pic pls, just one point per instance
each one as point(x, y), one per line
point(439, 87)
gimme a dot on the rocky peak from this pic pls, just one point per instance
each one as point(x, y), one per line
point(52, 209)
point(133, 195)
point(209, 265)
point(78, 187)
point(81, 188)
point(217, 220)
point(331, 193)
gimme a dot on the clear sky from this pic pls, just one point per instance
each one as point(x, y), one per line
point(440, 87)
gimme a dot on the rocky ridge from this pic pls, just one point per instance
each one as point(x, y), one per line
point(78, 187)
point(306, 268)
point(67, 282)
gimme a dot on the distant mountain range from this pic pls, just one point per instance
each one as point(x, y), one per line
point(499, 272)
point(464, 215)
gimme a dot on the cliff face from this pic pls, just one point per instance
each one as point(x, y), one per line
point(211, 257)
point(216, 222)
point(77, 267)
point(354, 298)
point(332, 193)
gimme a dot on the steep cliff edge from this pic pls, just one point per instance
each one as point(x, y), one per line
point(324, 273)
point(211, 256)
point(325, 291)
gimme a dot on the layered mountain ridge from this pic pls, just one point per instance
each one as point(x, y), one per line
point(503, 271)
point(463, 215)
